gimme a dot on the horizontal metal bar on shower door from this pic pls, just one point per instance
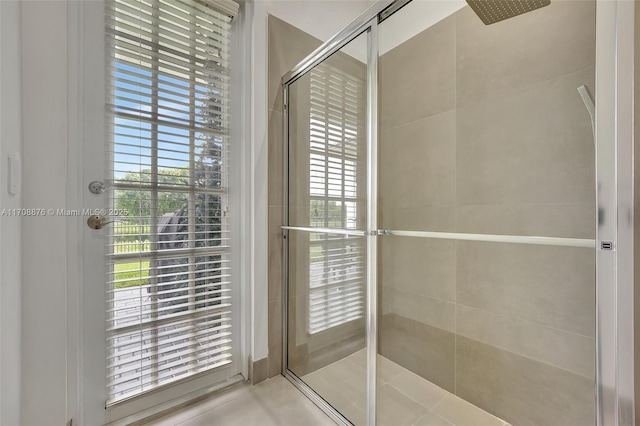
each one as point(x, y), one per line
point(515, 239)
point(489, 238)
point(339, 231)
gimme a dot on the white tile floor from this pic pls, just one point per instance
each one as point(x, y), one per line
point(404, 398)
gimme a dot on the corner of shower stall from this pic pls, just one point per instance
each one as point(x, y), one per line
point(441, 215)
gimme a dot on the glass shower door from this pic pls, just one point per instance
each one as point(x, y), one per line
point(487, 202)
point(484, 255)
point(326, 341)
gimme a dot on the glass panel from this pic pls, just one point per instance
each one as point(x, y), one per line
point(327, 302)
point(483, 131)
point(327, 189)
point(327, 152)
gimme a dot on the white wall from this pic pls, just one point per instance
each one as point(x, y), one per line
point(257, 18)
point(44, 291)
point(10, 227)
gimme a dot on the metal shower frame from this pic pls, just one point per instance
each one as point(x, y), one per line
point(614, 390)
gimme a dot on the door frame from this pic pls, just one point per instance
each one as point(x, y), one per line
point(614, 180)
point(85, 327)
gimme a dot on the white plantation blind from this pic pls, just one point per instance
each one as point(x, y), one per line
point(168, 285)
point(336, 273)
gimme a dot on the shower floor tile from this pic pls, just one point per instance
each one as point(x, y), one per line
point(404, 398)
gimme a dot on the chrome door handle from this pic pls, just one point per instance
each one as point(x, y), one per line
point(98, 221)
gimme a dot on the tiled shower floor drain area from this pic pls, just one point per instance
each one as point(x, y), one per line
point(404, 398)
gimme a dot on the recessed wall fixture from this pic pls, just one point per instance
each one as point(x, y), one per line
point(492, 11)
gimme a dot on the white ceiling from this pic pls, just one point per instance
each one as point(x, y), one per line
point(320, 18)
point(324, 18)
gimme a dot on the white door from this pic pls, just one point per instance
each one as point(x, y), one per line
point(159, 313)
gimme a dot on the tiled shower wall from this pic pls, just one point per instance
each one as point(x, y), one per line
point(483, 131)
point(287, 46)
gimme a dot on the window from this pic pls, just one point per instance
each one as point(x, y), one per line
point(168, 287)
point(336, 274)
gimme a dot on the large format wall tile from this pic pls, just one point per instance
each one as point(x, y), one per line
point(275, 276)
point(425, 350)
point(420, 266)
point(513, 54)
point(553, 286)
point(276, 158)
point(287, 46)
point(417, 78)
point(275, 338)
point(298, 147)
point(571, 352)
point(544, 220)
point(424, 309)
point(520, 390)
point(482, 131)
point(534, 146)
point(523, 164)
point(429, 218)
point(418, 163)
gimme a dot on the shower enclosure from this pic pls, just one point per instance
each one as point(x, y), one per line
point(457, 247)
